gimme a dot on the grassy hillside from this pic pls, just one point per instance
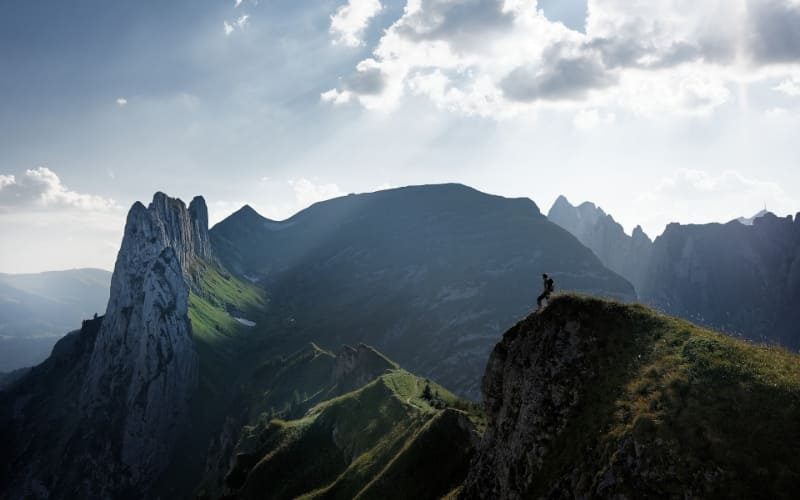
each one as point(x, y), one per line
point(641, 404)
point(360, 444)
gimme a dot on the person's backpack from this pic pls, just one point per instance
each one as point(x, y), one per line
point(550, 285)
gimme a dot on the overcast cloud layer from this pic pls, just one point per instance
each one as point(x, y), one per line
point(657, 111)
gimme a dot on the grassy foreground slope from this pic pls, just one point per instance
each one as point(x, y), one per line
point(617, 399)
point(397, 433)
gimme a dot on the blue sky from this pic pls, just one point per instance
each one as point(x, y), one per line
point(658, 111)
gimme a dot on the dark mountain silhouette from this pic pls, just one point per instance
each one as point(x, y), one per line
point(742, 277)
point(744, 280)
point(430, 275)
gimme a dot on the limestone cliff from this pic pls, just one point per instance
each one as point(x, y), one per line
point(134, 375)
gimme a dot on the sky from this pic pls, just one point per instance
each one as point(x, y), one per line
point(659, 111)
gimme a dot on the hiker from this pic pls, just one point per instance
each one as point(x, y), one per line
point(549, 286)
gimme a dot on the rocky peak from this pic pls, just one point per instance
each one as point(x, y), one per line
point(639, 235)
point(143, 367)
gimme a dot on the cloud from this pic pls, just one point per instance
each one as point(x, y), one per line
point(557, 77)
point(775, 29)
point(335, 97)
point(239, 24)
point(500, 58)
point(587, 119)
point(700, 187)
point(237, 3)
point(121, 101)
point(41, 189)
point(350, 21)
point(790, 86)
point(698, 196)
point(307, 192)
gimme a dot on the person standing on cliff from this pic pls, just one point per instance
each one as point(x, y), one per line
point(549, 286)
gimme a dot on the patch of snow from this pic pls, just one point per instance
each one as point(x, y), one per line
point(245, 322)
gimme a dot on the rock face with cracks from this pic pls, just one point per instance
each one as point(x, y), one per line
point(137, 368)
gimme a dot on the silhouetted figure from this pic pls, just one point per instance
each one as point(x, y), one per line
point(95, 316)
point(549, 286)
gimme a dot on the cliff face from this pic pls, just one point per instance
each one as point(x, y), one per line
point(744, 280)
point(138, 371)
point(593, 399)
point(626, 255)
point(143, 367)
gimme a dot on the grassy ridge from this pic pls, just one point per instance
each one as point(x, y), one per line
point(343, 447)
point(693, 409)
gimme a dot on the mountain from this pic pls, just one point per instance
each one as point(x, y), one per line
point(748, 221)
point(161, 395)
point(101, 416)
point(38, 309)
point(744, 280)
point(742, 277)
point(596, 399)
point(430, 275)
point(626, 255)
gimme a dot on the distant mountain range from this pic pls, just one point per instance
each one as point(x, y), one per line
point(38, 309)
point(742, 277)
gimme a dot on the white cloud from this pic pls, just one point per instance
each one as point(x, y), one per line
point(238, 24)
point(789, 86)
point(41, 189)
point(121, 101)
point(238, 3)
point(499, 58)
point(6, 180)
point(350, 21)
point(307, 192)
point(335, 97)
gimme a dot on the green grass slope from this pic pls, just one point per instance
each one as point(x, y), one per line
point(360, 444)
point(642, 405)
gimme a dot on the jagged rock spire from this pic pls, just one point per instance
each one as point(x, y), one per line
point(144, 367)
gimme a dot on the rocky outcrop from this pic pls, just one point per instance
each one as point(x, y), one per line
point(138, 371)
point(532, 384)
point(144, 366)
point(595, 399)
point(626, 255)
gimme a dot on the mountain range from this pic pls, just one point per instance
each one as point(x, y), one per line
point(742, 277)
point(341, 354)
point(38, 309)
